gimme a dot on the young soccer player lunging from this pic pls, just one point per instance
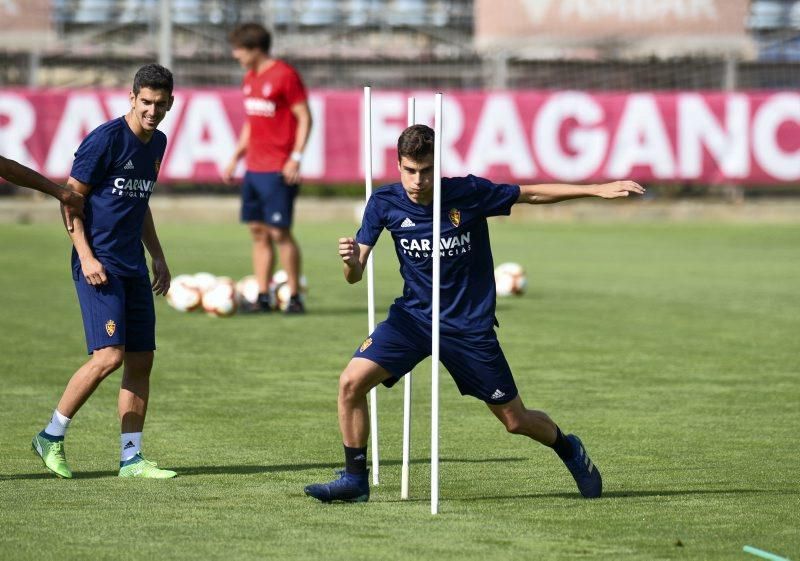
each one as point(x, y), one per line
point(116, 168)
point(468, 344)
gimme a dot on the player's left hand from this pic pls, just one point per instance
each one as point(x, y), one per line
point(291, 172)
point(161, 276)
point(619, 189)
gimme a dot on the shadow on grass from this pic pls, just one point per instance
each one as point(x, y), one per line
point(336, 311)
point(184, 471)
point(614, 494)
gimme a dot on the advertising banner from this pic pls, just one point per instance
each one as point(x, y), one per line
point(522, 136)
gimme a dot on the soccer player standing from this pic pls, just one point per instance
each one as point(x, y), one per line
point(468, 344)
point(116, 168)
point(273, 139)
point(25, 177)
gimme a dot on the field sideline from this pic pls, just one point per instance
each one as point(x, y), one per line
point(671, 349)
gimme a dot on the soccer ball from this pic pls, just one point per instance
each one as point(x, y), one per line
point(247, 293)
point(279, 290)
point(279, 277)
point(204, 281)
point(183, 295)
point(510, 279)
point(220, 300)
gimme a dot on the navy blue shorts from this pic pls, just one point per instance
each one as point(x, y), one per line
point(267, 198)
point(119, 312)
point(475, 361)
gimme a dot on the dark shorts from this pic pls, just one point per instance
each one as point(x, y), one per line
point(267, 198)
point(475, 361)
point(120, 312)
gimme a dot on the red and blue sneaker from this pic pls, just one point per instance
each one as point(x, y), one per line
point(583, 470)
point(348, 488)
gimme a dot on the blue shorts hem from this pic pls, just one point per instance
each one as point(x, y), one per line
point(502, 401)
point(266, 198)
point(475, 362)
point(119, 313)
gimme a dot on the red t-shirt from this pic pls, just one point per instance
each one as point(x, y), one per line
point(268, 98)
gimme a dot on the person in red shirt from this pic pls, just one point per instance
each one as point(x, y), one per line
point(272, 141)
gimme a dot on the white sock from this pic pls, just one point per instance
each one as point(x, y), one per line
point(58, 424)
point(130, 444)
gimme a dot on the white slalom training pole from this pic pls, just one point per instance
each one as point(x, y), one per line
point(437, 232)
point(405, 470)
point(373, 394)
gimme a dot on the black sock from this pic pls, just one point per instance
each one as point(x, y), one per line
point(355, 460)
point(263, 300)
point(562, 446)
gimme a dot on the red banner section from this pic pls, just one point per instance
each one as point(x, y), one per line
point(527, 136)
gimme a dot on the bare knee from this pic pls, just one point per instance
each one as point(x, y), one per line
point(259, 233)
point(138, 364)
point(351, 387)
point(107, 360)
point(513, 424)
point(281, 236)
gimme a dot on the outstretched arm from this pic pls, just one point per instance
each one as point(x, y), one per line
point(557, 192)
point(25, 177)
point(354, 256)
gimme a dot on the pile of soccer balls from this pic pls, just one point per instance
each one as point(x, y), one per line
point(510, 279)
point(223, 297)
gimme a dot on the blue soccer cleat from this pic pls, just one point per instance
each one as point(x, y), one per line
point(583, 470)
point(348, 488)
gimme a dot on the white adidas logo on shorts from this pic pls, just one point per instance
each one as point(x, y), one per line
point(498, 394)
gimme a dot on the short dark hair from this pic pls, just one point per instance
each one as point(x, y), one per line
point(415, 143)
point(251, 36)
point(153, 76)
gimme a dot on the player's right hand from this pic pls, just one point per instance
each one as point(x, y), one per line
point(93, 271)
point(72, 203)
point(230, 169)
point(349, 251)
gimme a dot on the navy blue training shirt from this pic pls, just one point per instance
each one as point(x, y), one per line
point(122, 171)
point(467, 270)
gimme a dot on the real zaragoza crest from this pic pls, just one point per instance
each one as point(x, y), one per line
point(365, 345)
point(111, 327)
point(455, 216)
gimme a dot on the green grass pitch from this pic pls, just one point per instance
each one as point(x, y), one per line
point(672, 349)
